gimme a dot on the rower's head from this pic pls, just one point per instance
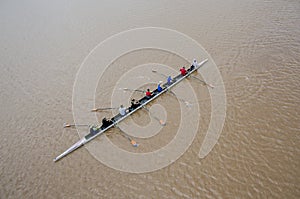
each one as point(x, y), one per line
point(159, 83)
point(133, 100)
point(121, 106)
point(148, 89)
point(194, 60)
point(183, 67)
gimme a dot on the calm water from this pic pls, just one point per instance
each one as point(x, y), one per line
point(256, 46)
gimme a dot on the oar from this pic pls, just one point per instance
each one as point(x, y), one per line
point(211, 86)
point(137, 90)
point(66, 125)
point(132, 142)
point(186, 102)
point(155, 71)
point(159, 120)
point(102, 109)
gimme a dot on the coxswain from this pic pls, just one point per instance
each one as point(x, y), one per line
point(148, 93)
point(122, 110)
point(183, 71)
point(159, 88)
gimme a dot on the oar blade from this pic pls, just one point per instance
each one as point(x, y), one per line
point(162, 123)
point(66, 125)
point(134, 144)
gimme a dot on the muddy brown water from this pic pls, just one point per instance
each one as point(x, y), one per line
point(256, 46)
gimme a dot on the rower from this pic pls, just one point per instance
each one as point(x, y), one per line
point(159, 88)
point(122, 110)
point(134, 105)
point(105, 123)
point(169, 80)
point(95, 129)
point(194, 64)
point(148, 94)
point(183, 71)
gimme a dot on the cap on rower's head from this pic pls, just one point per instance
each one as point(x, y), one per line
point(160, 82)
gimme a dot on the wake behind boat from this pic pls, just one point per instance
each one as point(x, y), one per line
point(96, 130)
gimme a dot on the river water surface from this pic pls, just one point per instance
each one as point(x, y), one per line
point(256, 47)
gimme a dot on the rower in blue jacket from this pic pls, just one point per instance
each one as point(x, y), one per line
point(169, 80)
point(159, 88)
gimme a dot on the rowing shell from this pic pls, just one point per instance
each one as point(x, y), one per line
point(118, 118)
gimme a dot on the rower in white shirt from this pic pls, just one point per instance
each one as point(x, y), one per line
point(122, 110)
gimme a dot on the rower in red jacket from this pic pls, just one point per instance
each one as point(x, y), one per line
point(183, 71)
point(148, 93)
